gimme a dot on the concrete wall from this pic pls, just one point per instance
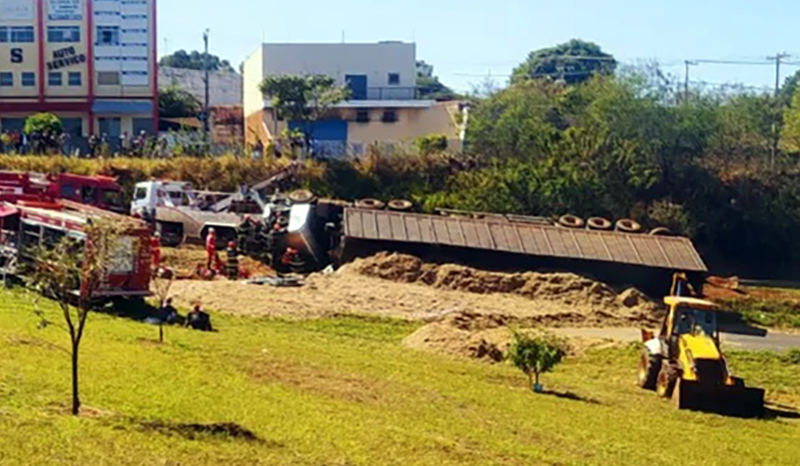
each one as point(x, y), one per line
point(252, 99)
point(375, 61)
point(225, 88)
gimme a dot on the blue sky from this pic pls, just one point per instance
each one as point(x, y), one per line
point(468, 40)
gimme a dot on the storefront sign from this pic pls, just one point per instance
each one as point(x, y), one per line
point(64, 58)
point(16, 9)
point(65, 10)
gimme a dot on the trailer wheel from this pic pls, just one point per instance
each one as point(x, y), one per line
point(600, 224)
point(302, 196)
point(370, 204)
point(649, 368)
point(400, 205)
point(627, 225)
point(661, 231)
point(571, 221)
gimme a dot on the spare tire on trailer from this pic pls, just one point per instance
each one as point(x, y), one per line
point(627, 225)
point(599, 223)
point(370, 204)
point(661, 231)
point(400, 205)
point(571, 221)
point(302, 196)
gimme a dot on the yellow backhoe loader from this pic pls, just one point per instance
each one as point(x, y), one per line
point(684, 361)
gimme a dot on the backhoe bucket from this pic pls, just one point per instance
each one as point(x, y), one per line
point(735, 401)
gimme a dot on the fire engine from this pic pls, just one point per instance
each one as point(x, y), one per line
point(96, 191)
point(25, 227)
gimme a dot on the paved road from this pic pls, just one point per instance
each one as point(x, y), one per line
point(772, 341)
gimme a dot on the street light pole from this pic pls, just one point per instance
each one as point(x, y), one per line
point(207, 83)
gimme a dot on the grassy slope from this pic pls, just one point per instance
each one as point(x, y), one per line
point(344, 392)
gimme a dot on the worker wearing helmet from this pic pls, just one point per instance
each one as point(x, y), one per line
point(211, 248)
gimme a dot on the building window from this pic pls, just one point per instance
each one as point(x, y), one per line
point(394, 79)
point(389, 116)
point(16, 34)
point(108, 78)
point(107, 35)
point(74, 78)
point(28, 79)
point(55, 78)
point(63, 34)
point(6, 79)
point(362, 116)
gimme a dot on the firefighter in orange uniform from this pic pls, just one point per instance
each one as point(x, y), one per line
point(155, 250)
point(211, 249)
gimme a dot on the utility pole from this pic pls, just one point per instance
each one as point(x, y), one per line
point(688, 63)
point(778, 57)
point(207, 83)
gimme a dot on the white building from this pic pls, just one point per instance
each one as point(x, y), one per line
point(382, 78)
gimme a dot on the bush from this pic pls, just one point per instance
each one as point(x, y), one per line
point(537, 355)
point(43, 123)
point(431, 144)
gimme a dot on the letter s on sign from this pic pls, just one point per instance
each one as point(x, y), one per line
point(16, 56)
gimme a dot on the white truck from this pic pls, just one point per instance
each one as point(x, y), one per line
point(182, 214)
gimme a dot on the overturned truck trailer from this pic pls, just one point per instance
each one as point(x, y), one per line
point(494, 242)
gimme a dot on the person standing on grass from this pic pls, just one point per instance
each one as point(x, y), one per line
point(199, 320)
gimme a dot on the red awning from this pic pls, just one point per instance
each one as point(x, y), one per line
point(7, 211)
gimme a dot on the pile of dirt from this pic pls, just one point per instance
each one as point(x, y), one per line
point(185, 259)
point(566, 288)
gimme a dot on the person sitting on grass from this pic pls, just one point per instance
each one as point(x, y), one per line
point(169, 314)
point(199, 320)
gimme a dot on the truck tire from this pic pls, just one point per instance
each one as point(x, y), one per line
point(661, 231)
point(370, 204)
point(400, 205)
point(599, 224)
point(571, 221)
point(302, 196)
point(649, 368)
point(627, 225)
point(171, 233)
point(667, 378)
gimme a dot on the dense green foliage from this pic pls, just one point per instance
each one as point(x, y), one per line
point(429, 86)
point(195, 61)
point(43, 123)
point(174, 102)
point(572, 62)
point(344, 391)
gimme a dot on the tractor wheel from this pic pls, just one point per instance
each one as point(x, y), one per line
point(667, 378)
point(302, 196)
point(370, 204)
point(400, 205)
point(649, 368)
point(571, 221)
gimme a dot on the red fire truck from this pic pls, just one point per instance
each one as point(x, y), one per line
point(27, 226)
point(97, 191)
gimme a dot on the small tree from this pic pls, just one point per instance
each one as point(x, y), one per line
point(536, 356)
point(43, 123)
point(174, 102)
point(72, 273)
point(303, 99)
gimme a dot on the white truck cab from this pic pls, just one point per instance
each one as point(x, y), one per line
point(150, 195)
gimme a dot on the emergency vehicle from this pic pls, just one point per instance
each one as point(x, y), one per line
point(96, 191)
point(25, 227)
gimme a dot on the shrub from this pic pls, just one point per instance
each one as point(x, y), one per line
point(431, 144)
point(43, 123)
point(537, 355)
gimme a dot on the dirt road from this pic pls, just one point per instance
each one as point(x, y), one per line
point(771, 341)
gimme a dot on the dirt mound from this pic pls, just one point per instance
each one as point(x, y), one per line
point(185, 259)
point(563, 287)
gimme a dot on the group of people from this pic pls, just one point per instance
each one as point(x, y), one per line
point(44, 143)
point(36, 143)
point(197, 319)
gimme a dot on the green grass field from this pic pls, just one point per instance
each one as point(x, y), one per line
point(345, 392)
